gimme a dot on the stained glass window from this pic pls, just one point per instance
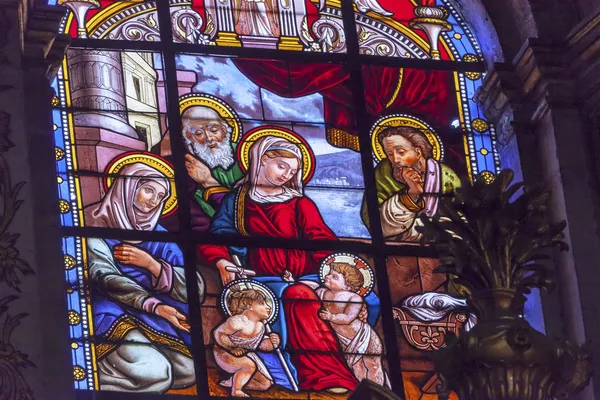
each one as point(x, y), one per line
point(240, 185)
point(423, 29)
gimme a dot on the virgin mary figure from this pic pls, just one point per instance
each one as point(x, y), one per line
point(138, 293)
point(270, 202)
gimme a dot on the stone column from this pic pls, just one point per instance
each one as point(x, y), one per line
point(96, 80)
point(547, 88)
point(221, 11)
point(291, 15)
point(186, 80)
point(102, 130)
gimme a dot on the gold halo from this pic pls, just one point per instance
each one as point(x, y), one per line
point(363, 267)
point(404, 120)
point(308, 158)
point(214, 103)
point(152, 161)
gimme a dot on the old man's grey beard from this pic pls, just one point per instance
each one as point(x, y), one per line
point(222, 156)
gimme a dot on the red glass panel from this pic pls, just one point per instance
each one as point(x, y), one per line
point(426, 29)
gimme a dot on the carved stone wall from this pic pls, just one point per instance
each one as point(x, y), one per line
point(18, 358)
point(548, 94)
point(32, 317)
point(586, 8)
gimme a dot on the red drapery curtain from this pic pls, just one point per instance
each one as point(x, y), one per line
point(428, 94)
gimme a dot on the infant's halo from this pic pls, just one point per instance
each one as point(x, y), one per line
point(364, 268)
point(245, 284)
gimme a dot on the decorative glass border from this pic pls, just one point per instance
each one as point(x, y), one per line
point(80, 315)
point(460, 40)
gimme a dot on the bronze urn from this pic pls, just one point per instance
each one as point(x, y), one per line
point(493, 242)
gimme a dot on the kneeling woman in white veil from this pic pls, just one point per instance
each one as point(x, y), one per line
point(138, 292)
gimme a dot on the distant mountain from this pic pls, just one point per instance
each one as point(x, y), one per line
point(341, 169)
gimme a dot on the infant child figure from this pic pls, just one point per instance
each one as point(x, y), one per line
point(238, 338)
point(345, 311)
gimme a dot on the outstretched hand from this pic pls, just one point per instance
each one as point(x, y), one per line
point(177, 319)
point(226, 276)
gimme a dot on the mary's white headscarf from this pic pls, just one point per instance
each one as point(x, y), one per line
point(117, 210)
point(291, 189)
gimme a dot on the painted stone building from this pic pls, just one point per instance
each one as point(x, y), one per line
point(95, 186)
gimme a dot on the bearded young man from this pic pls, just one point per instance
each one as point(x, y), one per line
point(409, 182)
point(210, 163)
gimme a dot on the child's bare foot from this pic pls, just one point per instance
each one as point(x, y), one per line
point(226, 383)
point(239, 393)
point(337, 390)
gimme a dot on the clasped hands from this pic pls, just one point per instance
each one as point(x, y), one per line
point(327, 315)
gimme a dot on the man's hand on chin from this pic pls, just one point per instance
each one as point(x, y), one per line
point(414, 182)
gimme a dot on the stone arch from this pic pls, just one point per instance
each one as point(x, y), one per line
point(501, 26)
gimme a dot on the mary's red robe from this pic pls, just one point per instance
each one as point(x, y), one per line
point(312, 345)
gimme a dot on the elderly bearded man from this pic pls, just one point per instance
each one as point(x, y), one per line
point(210, 162)
point(409, 182)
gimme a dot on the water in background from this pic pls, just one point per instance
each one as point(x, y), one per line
point(340, 209)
